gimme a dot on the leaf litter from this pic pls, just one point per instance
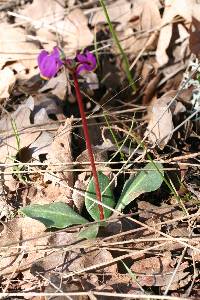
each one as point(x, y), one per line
point(44, 161)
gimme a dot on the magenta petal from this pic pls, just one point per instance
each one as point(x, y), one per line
point(80, 69)
point(41, 56)
point(87, 62)
point(81, 58)
point(49, 64)
point(56, 54)
point(48, 67)
point(92, 59)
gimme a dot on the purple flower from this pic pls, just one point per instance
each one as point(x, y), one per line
point(86, 62)
point(49, 64)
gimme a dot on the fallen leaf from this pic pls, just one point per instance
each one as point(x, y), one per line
point(23, 132)
point(100, 155)
point(49, 17)
point(59, 155)
point(80, 185)
point(157, 271)
point(75, 31)
point(6, 210)
point(8, 138)
point(50, 104)
point(160, 124)
point(7, 81)
point(150, 89)
point(73, 260)
point(91, 80)
point(151, 214)
point(194, 43)
point(14, 47)
point(187, 9)
point(15, 231)
point(42, 145)
point(57, 85)
point(43, 13)
point(147, 16)
point(119, 12)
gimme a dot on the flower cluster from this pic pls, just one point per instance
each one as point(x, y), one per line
point(50, 63)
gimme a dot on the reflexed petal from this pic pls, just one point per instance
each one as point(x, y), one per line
point(41, 56)
point(48, 67)
point(87, 62)
point(56, 54)
point(81, 58)
point(81, 68)
point(92, 59)
point(49, 64)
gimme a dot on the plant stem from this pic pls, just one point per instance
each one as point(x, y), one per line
point(88, 144)
point(117, 42)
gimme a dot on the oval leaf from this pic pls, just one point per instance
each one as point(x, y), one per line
point(58, 214)
point(148, 179)
point(107, 197)
point(90, 232)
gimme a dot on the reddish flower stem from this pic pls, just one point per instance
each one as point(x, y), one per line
point(88, 143)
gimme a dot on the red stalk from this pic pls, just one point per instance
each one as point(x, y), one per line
point(88, 143)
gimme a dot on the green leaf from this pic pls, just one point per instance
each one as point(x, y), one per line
point(90, 232)
point(58, 214)
point(107, 197)
point(148, 179)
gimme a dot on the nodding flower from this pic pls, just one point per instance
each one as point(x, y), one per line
point(49, 63)
point(86, 62)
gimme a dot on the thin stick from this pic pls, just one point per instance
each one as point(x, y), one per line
point(91, 293)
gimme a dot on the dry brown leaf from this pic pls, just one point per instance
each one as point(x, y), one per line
point(157, 271)
point(43, 16)
point(99, 155)
point(122, 11)
point(6, 210)
point(99, 257)
point(80, 185)
point(75, 31)
point(24, 131)
point(90, 258)
point(8, 142)
point(57, 85)
point(151, 214)
point(50, 104)
point(119, 12)
point(160, 124)
point(46, 38)
point(72, 260)
point(14, 47)
point(43, 13)
point(58, 155)
point(184, 8)
point(15, 231)
point(7, 81)
point(194, 42)
point(49, 17)
point(42, 145)
point(92, 80)
point(148, 17)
